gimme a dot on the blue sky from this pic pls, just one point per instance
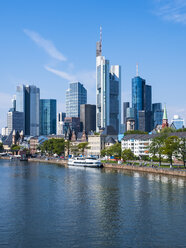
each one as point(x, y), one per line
point(49, 43)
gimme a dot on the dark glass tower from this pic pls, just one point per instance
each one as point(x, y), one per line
point(47, 116)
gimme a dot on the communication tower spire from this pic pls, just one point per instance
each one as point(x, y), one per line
point(137, 70)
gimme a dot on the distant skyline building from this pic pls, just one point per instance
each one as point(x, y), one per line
point(76, 95)
point(108, 91)
point(142, 103)
point(4, 131)
point(27, 101)
point(47, 116)
point(125, 106)
point(178, 122)
point(15, 121)
point(88, 117)
point(157, 112)
point(60, 123)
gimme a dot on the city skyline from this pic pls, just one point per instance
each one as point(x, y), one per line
point(36, 54)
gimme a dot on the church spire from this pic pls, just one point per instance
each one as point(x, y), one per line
point(165, 118)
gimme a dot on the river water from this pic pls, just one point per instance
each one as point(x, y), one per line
point(44, 205)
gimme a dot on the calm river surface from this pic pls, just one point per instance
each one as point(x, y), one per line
point(43, 205)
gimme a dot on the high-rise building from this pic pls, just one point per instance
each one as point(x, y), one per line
point(27, 101)
point(115, 97)
point(15, 121)
point(125, 106)
point(60, 123)
point(178, 122)
point(71, 124)
point(142, 101)
point(148, 98)
point(157, 114)
point(4, 131)
point(76, 95)
point(88, 117)
point(108, 91)
point(47, 116)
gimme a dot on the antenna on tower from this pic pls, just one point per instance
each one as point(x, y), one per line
point(100, 33)
point(137, 70)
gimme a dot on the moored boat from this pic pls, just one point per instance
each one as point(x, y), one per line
point(85, 162)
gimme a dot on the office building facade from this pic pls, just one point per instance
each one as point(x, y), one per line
point(178, 122)
point(15, 121)
point(27, 101)
point(157, 112)
point(88, 118)
point(108, 92)
point(76, 95)
point(47, 116)
point(125, 106)
point(60, 123)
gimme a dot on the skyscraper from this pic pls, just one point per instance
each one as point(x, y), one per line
point(47, 116)
point(76, 95)
point(88, 117)
point(27, 101)
point(157, 114)
point(125, 106)
point(15, 121)
point(178, 122)
point(142, 101)
point(108, 91)
point(60, 123)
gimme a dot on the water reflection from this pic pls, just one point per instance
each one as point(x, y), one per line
point(50, 206)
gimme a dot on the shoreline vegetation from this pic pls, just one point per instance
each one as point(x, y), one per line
point(157, 170)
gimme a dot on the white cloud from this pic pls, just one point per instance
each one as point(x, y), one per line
point(61, 74)
point(172, 10)
point(47, 45)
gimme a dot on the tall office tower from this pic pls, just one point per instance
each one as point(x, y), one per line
point(27, 101)
point(88, 117)
point(115, 97)
point(157, 114)
point(47, 116)
point(138, 96)
point(178, 122)
point(148, 98)
point(15, 121)
point(125, 106)
point(145, 120)
point(4, 131)
point(76, 95)
point(60, 123)
point(108, 91)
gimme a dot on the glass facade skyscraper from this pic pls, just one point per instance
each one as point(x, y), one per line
point(76, 95)
point(108, 92)
point(178, 122)
point(142, 103)
point(27, 101)
point(47, 116)
point(157, 114)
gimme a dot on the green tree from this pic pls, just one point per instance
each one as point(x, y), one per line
point(156, 146)
point(168, 130)
point(115, 150)
point(127, 154)
point(53, 146)
point(170, 147)
point(1, 147)
point(135, 132)
point(82, 146)
point(182, 150)
point(15, 148)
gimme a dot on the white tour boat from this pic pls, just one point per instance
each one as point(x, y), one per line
point(85, 162)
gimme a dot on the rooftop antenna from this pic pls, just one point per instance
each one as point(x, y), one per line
point(137, 70)
point(101, 39)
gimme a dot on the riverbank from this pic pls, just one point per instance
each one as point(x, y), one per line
point(165, 171)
